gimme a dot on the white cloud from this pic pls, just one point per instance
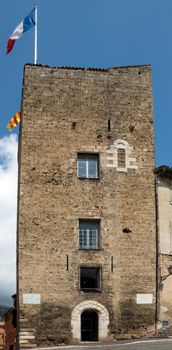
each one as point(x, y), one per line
point(8, 215)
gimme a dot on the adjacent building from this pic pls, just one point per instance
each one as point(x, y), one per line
point(10, 326)
point(164, 224)
point(86, 205)
point(2, 335)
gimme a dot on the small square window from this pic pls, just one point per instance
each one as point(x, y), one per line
point(90, 278)
point(89, 234)
point(88, 166)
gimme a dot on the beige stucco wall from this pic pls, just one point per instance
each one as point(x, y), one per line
point(165, 215)
point(164, 188)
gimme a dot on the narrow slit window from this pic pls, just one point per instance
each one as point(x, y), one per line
point(67, 262)
point(109, 126)
point(111, 263)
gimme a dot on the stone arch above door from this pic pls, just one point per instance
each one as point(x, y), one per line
point(102, 313)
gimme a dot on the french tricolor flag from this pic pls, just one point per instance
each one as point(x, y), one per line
point(27, 23)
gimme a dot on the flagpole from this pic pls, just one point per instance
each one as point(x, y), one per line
point(36, 36)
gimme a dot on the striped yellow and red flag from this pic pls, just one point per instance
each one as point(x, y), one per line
point(14, 121)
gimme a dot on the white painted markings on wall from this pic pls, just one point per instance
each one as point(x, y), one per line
point(144, 298)
point(32, 298)
point(112, 156)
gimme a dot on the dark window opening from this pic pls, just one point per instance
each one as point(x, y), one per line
point(121, 158)
point(90, 279)
point(89, 325)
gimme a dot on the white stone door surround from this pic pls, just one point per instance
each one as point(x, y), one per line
point(103, 318)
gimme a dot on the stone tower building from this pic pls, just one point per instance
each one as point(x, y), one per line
point(86, 213)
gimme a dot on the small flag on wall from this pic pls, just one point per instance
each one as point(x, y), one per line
point(15, 120)
point(27, 23)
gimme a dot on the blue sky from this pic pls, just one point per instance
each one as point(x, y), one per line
point(83, 33)
point(93, 33)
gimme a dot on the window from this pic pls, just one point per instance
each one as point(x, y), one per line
point(89, 234)
point(90, 278)
point(121, 157)
point(88, 166)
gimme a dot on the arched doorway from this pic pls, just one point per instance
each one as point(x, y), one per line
point(102, 314)
point(89, 325)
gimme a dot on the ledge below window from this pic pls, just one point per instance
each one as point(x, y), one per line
point(90, 249)
point(90, 290)
point(88, 178)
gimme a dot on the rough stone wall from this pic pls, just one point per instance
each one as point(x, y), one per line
point(66, 111)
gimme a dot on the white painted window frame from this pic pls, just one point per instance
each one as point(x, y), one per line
point(87, 157)
point(88, 234)
point(112, 158)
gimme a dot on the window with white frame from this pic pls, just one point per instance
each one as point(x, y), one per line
point(89, 234)
point(88, 165)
